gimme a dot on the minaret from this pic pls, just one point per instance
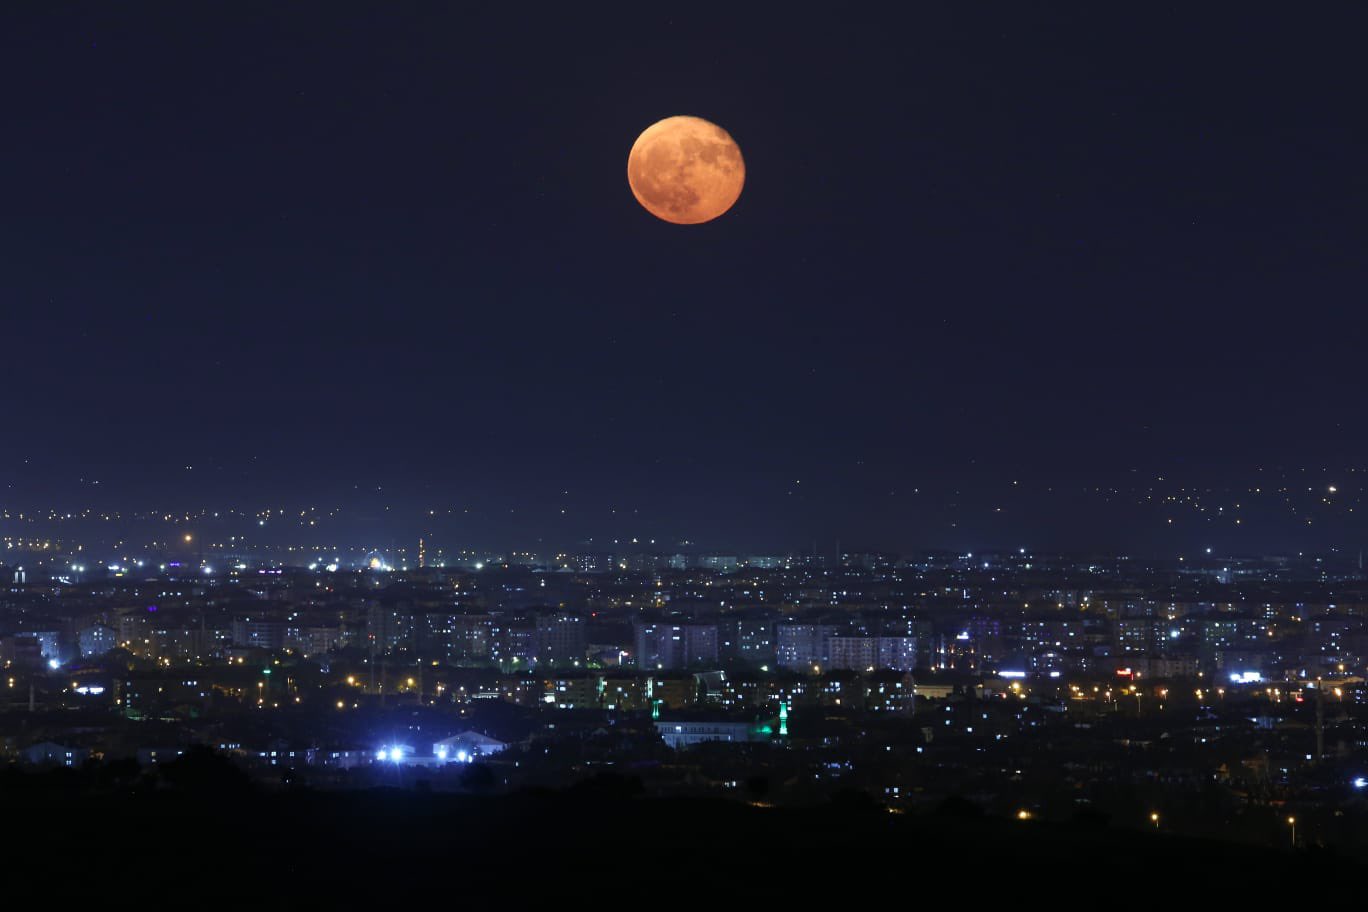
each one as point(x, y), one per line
point(371, 664)
point(1320, 720)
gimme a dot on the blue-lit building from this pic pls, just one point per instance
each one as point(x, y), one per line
point(97, 639)
point(689, 732)
point(50, 753)
point(466, 747)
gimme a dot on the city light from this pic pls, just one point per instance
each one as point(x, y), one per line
point(689, 680)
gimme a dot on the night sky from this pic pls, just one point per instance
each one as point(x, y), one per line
point(999, 276)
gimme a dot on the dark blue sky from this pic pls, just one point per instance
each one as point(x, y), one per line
point(318, 250)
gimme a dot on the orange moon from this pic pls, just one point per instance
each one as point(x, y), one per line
point(685, 170)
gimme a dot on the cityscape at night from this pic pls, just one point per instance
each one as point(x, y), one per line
point(576, 456)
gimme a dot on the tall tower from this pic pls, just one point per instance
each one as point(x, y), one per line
point(422, 554)
point(1320, 720)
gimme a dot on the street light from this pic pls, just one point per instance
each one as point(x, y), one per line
point(1292, 822)
point(1154, 819)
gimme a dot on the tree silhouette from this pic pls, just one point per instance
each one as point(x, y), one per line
point(202, 770)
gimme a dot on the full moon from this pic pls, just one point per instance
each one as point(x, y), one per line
point(685, 170)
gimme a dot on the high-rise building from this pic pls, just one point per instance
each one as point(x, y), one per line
point(675, 646)
point(898, 653)
point(868, 653)
point(259, 632)
point(803, 646)
point(746, 641)
point(560, 639)
point(97, 639)
point(470, 638)
point(390, 627)
point(857, 653)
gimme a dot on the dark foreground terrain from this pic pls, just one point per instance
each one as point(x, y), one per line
point(234, 846)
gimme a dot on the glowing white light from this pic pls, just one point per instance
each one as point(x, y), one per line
point(54, 664)
point(462, 757)
point(1360, 782)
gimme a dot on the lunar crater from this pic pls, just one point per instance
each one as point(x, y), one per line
point(686, 170)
